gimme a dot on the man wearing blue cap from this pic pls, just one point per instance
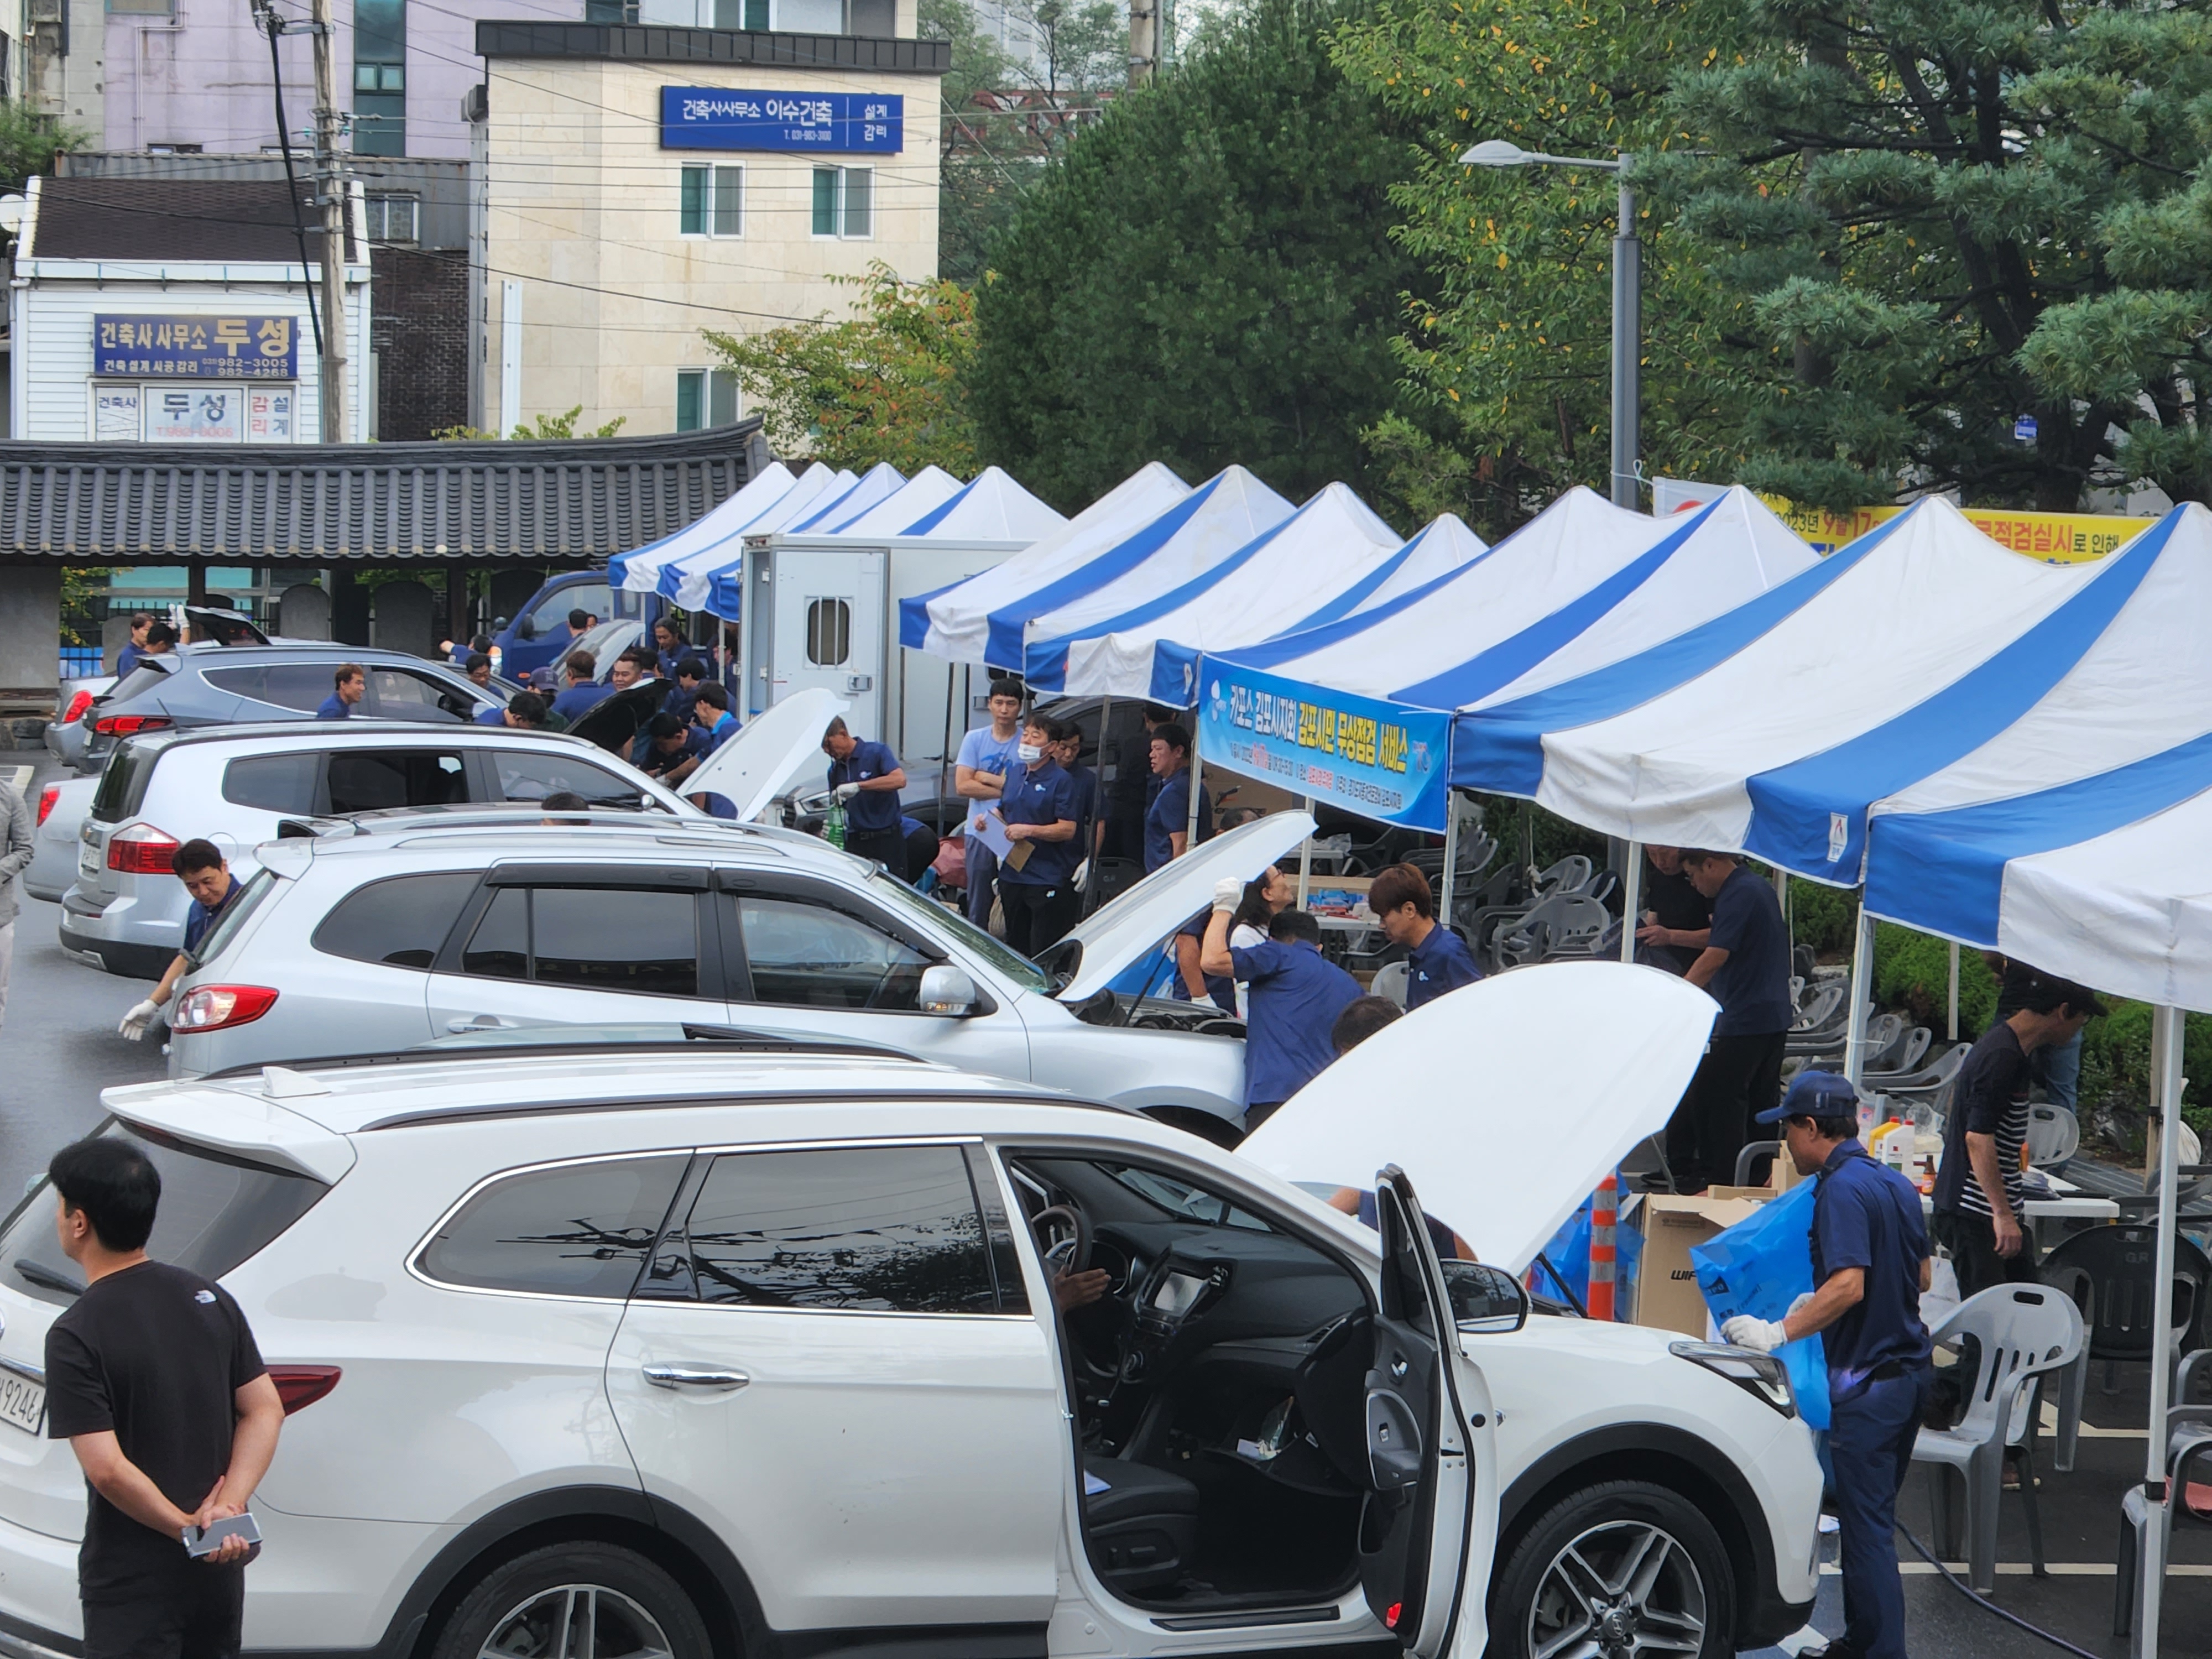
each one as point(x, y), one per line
point(1870, 1261)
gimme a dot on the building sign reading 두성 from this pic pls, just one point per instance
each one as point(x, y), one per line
point(196, 347)
point(826, 123)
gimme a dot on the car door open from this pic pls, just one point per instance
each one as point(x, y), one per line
point(1432, 1516)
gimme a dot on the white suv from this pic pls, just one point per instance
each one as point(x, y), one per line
point(681, 1352)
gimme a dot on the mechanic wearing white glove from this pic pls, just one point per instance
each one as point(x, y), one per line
point(1870, 1262)
point(868, 777)
point(206, 877)
point(1295, 995)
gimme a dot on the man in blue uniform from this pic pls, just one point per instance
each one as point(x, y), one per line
point(1036, 888)
point(580, 693)
point(1294, 996)
point(1167, 820)
point(352, 684)
point(135, 647)
point(673, 748)
point(206, 874)
point(1870, 1262)
point(1745, 965)
point(669, 649)
point(982, 770)
point(1436, 958)
point(866, 777)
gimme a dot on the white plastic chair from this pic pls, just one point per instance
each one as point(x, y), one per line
point(2054, 1134)
point(1390, 981)
point(2188, 1431)
point(2024, 1331)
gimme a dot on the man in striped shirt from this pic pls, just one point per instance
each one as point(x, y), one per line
point(1978, 1189)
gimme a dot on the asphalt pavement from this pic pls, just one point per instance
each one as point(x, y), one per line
point(60, 1049)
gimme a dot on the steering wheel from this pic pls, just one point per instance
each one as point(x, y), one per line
point(1069, 1254)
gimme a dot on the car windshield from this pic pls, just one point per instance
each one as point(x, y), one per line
point(1015, 966)
point(259, 886)
point(1179, 1198)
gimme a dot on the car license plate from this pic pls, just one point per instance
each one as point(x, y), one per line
point(22, 1402)
point(88, 862)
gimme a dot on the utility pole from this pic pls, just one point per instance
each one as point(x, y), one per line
point(334, 198)
point(1144, 40)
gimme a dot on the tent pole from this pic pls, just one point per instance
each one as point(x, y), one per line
point(1305, 860)
point(1632, 900)
point(944, 760)
point(2166, 1026)
point(1855, 1027)
point(1451, 853)
point(1953, 1031)
point(1191, 832)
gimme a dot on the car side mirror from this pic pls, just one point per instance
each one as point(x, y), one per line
point(946, 990)
point(1485, 1301)
point(525, 629)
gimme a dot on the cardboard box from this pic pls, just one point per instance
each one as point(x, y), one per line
point(1667, 1294)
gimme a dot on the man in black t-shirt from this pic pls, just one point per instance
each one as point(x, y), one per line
point(154, 1379)
point(1979, 1187)
point(1677, 919)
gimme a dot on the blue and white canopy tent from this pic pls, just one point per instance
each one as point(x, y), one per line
point(960, 623)
point(1329, 549)
point(685, 580)
point(2078, 837)
point(638, 571)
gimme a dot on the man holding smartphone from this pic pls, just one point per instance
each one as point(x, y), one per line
point(154, 1379)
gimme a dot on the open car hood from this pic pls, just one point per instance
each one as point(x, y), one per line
point(753, 767)
point(1507, 1100)
point(1116, 934)
point(613, 722)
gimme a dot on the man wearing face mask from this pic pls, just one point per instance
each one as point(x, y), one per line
point(1036, 877)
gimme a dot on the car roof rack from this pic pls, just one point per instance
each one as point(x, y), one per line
point(720, 1039)
point(643, 820)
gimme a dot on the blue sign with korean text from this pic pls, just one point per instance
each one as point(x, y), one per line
point(1374, 758)
point(828, 122)
point(196, 346)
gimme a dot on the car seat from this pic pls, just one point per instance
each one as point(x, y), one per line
point(1142, 1524)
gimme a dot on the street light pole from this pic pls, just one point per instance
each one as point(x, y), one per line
point(1627, 301)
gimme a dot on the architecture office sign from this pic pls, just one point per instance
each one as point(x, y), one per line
point(817, 123)
point(195, 347)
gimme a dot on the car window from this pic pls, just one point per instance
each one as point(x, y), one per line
point(377, 779)
point(527, 777)
point(592, 598)
point(894, 894)
point(401, 922)
point(397, 694)
point(274, 783)
point(868, 1229)
point(215, 1211)
point(122, 781)
point(600, 938)
point(144, 677)
point(809, 956)
point(576, 1229)
point(301, 685)
point(1181, 1199)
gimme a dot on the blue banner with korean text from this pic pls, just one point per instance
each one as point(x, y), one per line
point(828, 123)
point(1376, 759)
point(196, 346)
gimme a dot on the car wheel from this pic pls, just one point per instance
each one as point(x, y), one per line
point(584, 1600)
point(1625, 1568)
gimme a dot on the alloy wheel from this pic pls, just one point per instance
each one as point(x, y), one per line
point(577, 1621)
point(1625, 1590)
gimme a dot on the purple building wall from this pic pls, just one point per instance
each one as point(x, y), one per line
point(202, 77)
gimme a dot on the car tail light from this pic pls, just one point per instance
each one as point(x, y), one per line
point(219, 1007)
point(1390, 1619)
point(77, 704)
point(124, 726)
point(47, 796)
point(300, 1386)
point(141, 850)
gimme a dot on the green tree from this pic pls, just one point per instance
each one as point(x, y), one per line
point(539, 427)
point(29, 141)
point(1505, 398)
point(976, 189)
point(1934, 213)
point(881, 385)
point(1201, 279)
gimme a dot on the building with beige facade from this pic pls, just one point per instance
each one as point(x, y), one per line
point(637, 184)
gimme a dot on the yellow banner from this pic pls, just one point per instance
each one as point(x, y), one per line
point(2054, 537)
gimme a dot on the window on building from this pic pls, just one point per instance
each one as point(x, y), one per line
point(611, 11)
point(144, 8)
point(379, 77)
point(704, 397)
point(393, 218)
point(844, 202)
point(712, 201)
point(811, 16)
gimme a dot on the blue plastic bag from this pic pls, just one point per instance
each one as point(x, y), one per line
point(1759, 1266)
point(1569, 1252)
